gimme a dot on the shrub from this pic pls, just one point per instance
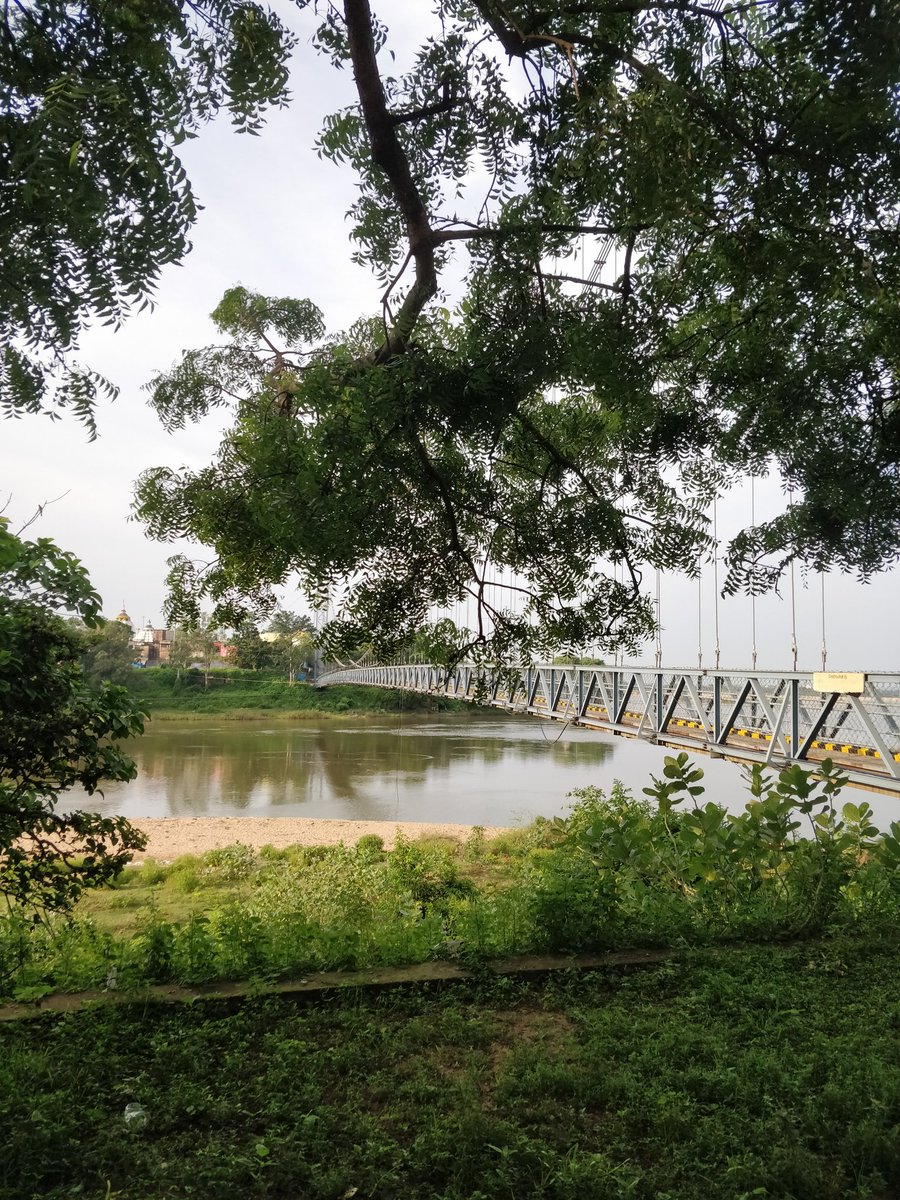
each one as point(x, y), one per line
point(184, 879)
point(427, 873)
point(370, 847)
point(148, 873)
point(231, 863)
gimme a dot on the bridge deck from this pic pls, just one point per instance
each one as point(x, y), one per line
point(768, 717)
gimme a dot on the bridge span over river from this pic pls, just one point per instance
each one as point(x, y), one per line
point(776, 718)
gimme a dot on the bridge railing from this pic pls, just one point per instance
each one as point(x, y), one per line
point(752, 716)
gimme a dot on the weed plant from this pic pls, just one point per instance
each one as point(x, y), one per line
point(663, 870)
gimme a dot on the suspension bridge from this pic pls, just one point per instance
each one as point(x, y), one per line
point(774, 718)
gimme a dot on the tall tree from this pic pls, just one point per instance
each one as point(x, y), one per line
point(94, 100)
point(107, 653)
point(286, 622)
point(56, 733)
point(739, 163)
point(251, 653)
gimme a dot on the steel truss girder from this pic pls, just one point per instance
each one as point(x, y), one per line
point(757, 716)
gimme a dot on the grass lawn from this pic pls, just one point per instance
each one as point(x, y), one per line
point(762, 1072)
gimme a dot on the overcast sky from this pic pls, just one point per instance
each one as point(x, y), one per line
point(273, 220)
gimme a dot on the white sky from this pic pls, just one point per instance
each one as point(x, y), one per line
point(274, 221)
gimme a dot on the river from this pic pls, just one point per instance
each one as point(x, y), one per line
point(476, 767)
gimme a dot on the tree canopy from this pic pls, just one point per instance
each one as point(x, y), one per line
point(739, 163)
point(94, 100)
point(106, 653)
point(56, 732)
point(286, 623)
point(744, 159)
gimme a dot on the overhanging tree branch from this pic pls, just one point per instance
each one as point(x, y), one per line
point(388, 154)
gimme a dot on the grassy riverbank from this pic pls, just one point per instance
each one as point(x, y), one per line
point(246, 695)
point(618, 873)
point(760, 1060)
point(762, 1072)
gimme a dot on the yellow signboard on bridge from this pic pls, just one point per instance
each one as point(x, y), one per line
point(851, 683)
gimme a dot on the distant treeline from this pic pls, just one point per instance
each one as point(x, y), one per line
point(165, 690)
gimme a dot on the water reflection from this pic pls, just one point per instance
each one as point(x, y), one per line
point(471, 768)
point(475, 768)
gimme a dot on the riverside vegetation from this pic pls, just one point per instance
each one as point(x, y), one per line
point(244, 694)
point(617, 872)
point(728, 1071)
point(766, 1072)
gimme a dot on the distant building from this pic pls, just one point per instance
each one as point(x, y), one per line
point(153, 646)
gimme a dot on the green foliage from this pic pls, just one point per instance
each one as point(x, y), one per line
point(107, 654)
point(95, 199)
point(285, 622)
point(751, 1073)
point(248, 693)
point(740, 176)
point(617, 873)
point(231, 863)
point(56, 733)
point(370, 846)
point(251, 653)
point(427, 874)
point(657, 874)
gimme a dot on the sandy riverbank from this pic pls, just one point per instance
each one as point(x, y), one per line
point(170, 837)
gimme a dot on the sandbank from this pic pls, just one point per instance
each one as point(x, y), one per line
point(170, 837)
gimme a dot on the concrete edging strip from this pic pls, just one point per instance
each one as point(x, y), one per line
point(229, 994)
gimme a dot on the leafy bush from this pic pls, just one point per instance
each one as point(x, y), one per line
point(370, 847)
point(231, 863)
point(429, 875)
point(625, 871)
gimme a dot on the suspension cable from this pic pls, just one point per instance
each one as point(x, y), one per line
point(753, 589)
point(716, 576)
point(793, 597)
point(700, 619)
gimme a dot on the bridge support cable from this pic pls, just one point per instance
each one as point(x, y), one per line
point(716, 576)
point(824, 639)
point(793, 597)
point(700, 618)
point(773, 718)
point(753, 585)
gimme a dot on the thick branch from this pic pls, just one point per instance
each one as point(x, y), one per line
point(389, 155)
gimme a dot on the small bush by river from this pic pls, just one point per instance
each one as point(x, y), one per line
point(247, 694)
point(619, 871)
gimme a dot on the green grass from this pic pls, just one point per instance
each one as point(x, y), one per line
point(244, 695)
point(770, 1072)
